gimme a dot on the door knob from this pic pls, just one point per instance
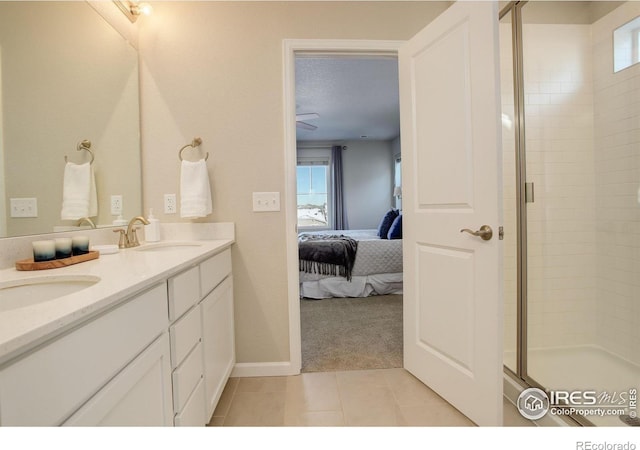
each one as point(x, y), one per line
point(485, 232)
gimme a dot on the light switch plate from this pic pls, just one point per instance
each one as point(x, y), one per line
point(23, 207)
point(266, 201)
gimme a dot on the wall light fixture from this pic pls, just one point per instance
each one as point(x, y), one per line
point(133, 9)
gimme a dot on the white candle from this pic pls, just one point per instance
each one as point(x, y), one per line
point(80, 245)
point(44, 250)
point(63, 247)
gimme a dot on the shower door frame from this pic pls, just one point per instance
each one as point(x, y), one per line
point(521, 374)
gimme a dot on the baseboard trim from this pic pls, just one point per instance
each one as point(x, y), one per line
point(268, 369)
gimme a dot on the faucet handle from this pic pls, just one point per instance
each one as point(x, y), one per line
point(122, 241)
point(133, 239)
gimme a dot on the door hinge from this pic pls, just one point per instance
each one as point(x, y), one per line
point(500, 233)
point(529, 196)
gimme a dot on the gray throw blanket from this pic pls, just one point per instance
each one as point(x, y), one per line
point(327, 254)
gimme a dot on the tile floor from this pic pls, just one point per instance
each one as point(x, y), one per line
point(384, 397)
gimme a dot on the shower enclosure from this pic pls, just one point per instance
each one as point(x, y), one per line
point(571, 140)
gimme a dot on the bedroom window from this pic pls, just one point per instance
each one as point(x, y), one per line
point(313, 194)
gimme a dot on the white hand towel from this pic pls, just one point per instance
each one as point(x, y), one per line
point(79, 196)
point(195, 190)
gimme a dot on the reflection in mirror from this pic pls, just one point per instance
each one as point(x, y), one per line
point(66, 76)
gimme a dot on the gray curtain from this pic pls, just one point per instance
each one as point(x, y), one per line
point(340, 214)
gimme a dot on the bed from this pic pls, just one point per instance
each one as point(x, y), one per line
point(376, 269)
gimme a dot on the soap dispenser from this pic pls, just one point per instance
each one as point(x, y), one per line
point(120, 222)
point(152, 231)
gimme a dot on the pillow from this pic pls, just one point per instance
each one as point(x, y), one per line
point(395, 232)
point(386, 222)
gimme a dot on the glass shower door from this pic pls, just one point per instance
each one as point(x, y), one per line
point(582, 156)
point(571, 170)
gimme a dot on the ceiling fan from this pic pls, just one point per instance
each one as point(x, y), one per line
point(308, 116)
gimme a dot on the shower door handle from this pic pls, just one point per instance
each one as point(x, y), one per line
point(485, 232)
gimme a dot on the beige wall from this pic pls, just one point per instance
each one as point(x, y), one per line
point(214, 69)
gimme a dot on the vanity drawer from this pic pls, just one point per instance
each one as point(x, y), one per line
point(193, 414)
point(186, 377)
point(50, 383)
point(185, 334)
point(184, 292)
point(214, 270)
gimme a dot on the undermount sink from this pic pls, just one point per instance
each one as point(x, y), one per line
point(16, 294)
point(167, 246)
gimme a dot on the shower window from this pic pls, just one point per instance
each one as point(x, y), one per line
point(626, 45)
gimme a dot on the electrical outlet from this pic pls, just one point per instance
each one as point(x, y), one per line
point(116, 205)
point(24, 207)
point(170, 204)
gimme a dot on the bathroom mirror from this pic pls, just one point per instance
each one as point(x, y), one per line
point(66, 75)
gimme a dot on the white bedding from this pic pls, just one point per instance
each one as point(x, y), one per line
point(377, 269)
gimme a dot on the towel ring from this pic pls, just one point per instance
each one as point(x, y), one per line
point(83, 145)
point(195, 143)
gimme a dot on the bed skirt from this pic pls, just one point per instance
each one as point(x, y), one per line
point(359, 286)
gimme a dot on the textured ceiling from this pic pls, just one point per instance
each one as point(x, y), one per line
point(354, 96)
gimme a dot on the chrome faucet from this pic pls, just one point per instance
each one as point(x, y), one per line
point(87, 220)
point(129, 238)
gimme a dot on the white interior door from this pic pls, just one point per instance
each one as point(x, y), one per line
point(449, 102)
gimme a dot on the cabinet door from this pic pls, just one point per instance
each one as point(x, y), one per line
point(218, 341)
point(140, 395)
point(46, 386)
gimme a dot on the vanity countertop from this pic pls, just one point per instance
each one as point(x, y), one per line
point(122, 275)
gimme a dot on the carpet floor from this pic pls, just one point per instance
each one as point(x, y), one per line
point(351, 333)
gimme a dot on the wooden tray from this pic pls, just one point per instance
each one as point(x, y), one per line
point(29, 264)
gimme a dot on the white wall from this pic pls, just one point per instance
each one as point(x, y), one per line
point(368, 182)
point(214, 70)
point(617, 175)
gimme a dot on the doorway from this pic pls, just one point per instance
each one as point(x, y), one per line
point(347, 142)
point(316, 48)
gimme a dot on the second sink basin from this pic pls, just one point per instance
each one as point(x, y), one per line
point(31, 291)
point(167, 246)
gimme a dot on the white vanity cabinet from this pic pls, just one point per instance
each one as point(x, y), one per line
point(202, 338)
point(159, 357)
point(113, 369)
point(218, 339)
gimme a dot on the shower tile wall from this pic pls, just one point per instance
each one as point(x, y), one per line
point(560, 161)
point(617, 174)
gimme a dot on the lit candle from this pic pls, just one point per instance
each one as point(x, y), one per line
point(80, 245)
point(63, 247)
point(44, 250)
